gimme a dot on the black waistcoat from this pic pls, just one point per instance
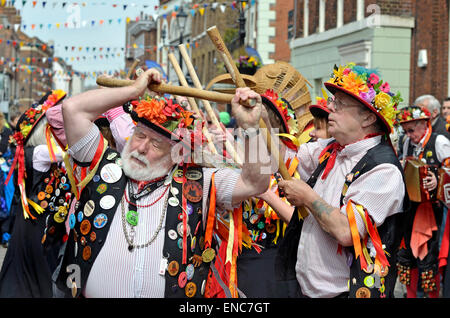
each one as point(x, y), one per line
point(83, 247)
point(391, 231)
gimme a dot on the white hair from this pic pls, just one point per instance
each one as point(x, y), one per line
point(37, 136)
point(433, 103)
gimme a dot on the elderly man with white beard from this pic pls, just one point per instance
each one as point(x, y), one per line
point(143, 224)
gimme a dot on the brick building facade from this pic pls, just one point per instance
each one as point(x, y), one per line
point(393, 31)
point(140, 40)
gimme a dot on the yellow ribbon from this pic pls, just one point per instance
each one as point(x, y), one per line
point(292, 138)
point(230, 243)
point(36, 206)
point(88, 178)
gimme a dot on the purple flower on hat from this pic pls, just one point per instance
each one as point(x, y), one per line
point(369, 96)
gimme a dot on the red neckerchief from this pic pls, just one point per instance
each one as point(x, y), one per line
point(143, 184)
point(332, 151)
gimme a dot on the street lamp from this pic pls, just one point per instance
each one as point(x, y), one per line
point(163, 36)
point(242, 22)
point(181, 23)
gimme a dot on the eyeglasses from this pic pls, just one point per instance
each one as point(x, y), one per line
point(338, 106)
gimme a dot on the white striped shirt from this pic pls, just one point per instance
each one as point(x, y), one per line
point(119, 273)
point(321, 271)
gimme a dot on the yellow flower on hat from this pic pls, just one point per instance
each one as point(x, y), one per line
point(382, 100)
point(390, 114)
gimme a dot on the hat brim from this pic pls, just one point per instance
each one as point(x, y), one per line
point(334, 88)
point(411, 120)
point(319, 111)
point(277, 112)
point(41, 101)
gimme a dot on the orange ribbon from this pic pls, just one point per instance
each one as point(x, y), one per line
point(355, 235)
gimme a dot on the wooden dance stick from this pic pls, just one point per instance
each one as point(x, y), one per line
point(218, 42)
point(228, 146)
point(192, 102)
point(133, 68)
point(169, 89)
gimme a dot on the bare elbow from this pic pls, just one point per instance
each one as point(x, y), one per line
point(344, 238)
point(67, 108)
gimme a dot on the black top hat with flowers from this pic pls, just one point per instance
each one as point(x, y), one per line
point(163, 115)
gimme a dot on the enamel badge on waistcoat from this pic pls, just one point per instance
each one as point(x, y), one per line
point(184, 241)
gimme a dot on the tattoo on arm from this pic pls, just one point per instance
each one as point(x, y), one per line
point(320, 207)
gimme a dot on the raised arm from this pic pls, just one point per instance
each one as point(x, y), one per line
point(81, 110)
point(256, 171)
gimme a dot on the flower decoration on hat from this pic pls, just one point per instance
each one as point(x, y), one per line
point(283, 109)
point(53, 99)
point(366, 85)
point(412, 113)
point(27, 122)
point(163, 115)
point(164, 112)
point(285, 114)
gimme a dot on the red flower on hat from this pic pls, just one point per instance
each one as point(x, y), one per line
point(171, 109)
point(322, 102)
point(426, 111)
point(385, 87)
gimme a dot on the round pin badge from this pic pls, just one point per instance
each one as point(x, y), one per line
point(189, 208)
point(96, 178)
point(193, 191)
point(363, 292)
point(80, 216)
point(107, 202)
point(208, 255)
point(180, 243)
point(87, 252)
point(173, 201)
point(72, 221)
point(111, 173)
point(43, 204)
point(172, 234)
point(41, 195)
point(178, 176)
point(271, 228)
point(59, 217)
point(89, 208)
point(85, 227)
point(93, 236)
point(180, 229)
point(182, 279)
point(174, 191)
point(369, 281)
point(190, 270)
point(190, 289)
point(100, 220)
point(173, 268)
point(193, 175)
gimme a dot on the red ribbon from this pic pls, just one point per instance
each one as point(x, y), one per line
point(333, 150)
point(18, 158)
